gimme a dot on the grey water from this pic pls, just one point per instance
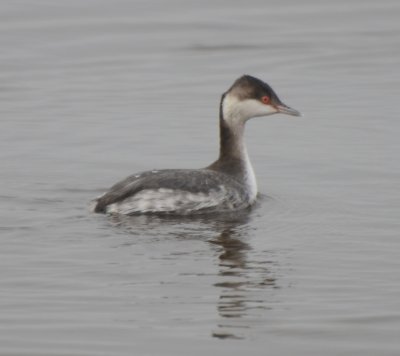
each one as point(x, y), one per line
point(92, 91)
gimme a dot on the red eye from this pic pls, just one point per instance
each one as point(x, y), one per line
point(265, 99)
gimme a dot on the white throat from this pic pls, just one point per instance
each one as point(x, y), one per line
point(250, 178)
point(235, 115)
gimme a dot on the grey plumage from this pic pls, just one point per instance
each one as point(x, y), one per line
point(219, 189)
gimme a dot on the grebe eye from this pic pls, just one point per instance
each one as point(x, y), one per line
point(265, 99)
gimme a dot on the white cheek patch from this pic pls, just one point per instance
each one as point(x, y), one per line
point(235, 109)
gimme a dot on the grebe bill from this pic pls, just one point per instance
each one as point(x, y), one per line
point(228, 184)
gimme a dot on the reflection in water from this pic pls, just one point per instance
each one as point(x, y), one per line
point(242, 280)
point(244, 274)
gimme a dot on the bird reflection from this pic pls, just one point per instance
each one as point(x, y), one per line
point(245, 277)
point(243, 280)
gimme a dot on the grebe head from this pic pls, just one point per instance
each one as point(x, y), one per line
point(250, 97)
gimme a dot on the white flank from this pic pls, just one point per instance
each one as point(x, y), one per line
point(166, 201)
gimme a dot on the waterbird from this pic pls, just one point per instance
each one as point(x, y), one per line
point(226, 185)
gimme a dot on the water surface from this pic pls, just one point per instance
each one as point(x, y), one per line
point(92, 91)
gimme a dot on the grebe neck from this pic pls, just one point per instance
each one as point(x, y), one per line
point(233, 158)
point(232, 143)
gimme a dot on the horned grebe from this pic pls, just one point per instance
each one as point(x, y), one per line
point(227, 184)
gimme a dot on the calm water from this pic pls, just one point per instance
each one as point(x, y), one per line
point(91, 91)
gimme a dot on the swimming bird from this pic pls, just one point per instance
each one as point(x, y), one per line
point(228, 184)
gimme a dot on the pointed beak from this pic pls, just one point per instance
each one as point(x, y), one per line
point(282, 108)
